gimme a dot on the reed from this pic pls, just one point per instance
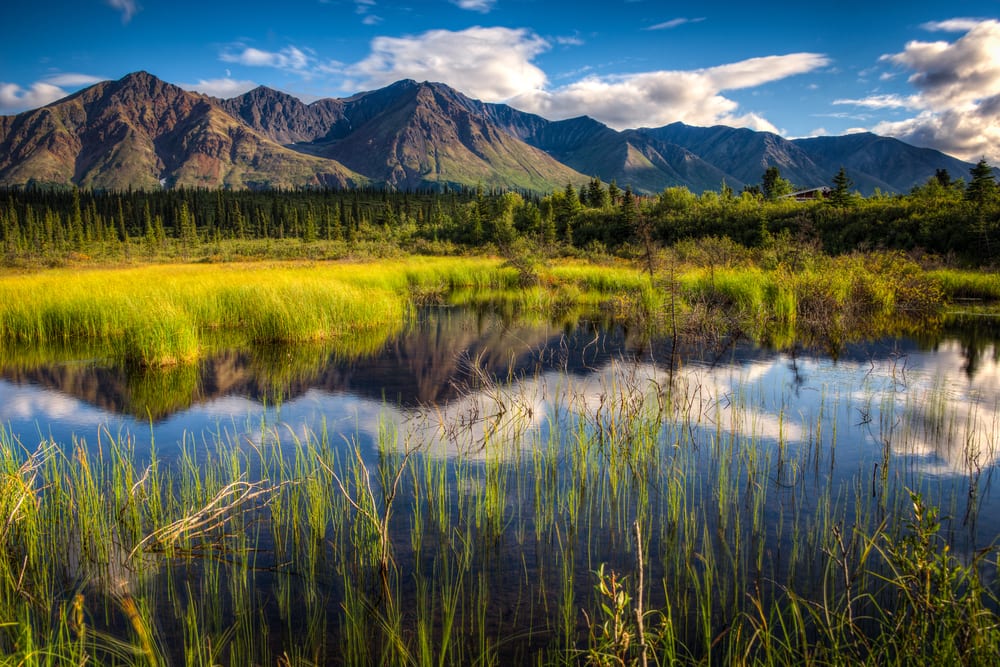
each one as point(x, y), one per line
point(640, 514)
point(964, 286)
point(217, 546)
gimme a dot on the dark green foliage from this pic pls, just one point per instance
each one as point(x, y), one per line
point(773, 185)
point(939, 217)
point(982, 188)
point(841, 195)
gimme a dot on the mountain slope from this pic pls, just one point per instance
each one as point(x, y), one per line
point(629, 158)
point(873, 162)
point(413, 135)
point(283, 118)
point(744, 154)
point(142, 132)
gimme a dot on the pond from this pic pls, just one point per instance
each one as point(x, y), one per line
point(488, 490)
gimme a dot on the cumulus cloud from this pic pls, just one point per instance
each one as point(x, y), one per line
point(15, 98)
point(128, 8)
point(956, 86)
point(661, 97)
point(491, 64)
point(496, 65)
point(288, 58)
point(674, 23)
point(292, 59)
point(483, 6)
point(223, 88)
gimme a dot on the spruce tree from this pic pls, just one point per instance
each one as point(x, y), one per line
point(841, 195)
point(983, 187)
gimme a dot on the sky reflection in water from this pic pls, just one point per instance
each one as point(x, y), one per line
point(930, 401)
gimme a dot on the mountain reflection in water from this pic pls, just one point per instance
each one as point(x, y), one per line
point(454, 366)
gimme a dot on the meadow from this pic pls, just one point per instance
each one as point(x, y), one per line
point(154, 315)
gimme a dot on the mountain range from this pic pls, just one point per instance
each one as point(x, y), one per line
point(142, 132)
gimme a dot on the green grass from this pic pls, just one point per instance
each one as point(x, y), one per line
point(162, 315)
point(169, 314)
point(968, 285)
point(533, 546)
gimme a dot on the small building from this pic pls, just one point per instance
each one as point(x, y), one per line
point(811, 194)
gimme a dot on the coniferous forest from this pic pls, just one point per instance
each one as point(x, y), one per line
point(945, 217)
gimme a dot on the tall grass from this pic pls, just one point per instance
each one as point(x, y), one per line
point(637, 515)
point(959, 286)
point(161, 315)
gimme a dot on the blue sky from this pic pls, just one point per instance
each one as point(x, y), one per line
point(926, 72)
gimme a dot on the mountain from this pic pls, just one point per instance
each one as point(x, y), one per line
point(872, 162)
point(629, 158)
point(744, 154)
point(142, 132)
point(283, 118)
point(885, 163)
point(407, 135)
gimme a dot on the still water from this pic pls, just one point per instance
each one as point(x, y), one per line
point(903, 413)
point(945, 392)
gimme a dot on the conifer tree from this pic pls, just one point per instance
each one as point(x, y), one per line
point(840, 195)
point(983, 187)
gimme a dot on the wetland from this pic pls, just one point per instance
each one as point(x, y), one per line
point(588, 466)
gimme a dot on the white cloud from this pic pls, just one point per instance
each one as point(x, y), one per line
point(73, 80)
point(496, 65)
point(363, 8)
point(483, 6)
point(222, 88)
point(128, 8)
point(288, 58)
point(300, 61)
point(886, 101)
point(15, 98)
point(957, 85)
point(952, 25)
point(491, 64)
point(674, 23)
point(661, 97)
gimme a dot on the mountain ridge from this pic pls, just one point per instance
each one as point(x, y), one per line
point(143, 132)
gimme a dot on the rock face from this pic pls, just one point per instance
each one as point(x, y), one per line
point(142, 132)
point(283, 118)
point(407, 135)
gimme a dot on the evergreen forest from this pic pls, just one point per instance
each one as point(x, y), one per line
point(947, 218)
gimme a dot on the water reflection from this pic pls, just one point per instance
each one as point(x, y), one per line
point(475, 392)
point(466, 376)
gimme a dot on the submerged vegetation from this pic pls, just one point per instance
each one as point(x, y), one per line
point(644, 518)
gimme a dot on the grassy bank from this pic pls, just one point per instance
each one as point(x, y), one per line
point(169, 314)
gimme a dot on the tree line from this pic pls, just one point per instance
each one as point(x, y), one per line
point(945, 216)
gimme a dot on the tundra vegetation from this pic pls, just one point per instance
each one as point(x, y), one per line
point(642, 527)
